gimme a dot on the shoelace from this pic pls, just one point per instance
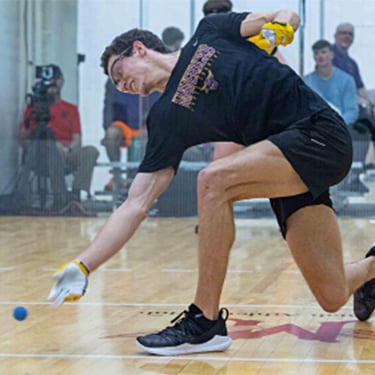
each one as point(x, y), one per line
point(185, 312)
point(185, 324)
point(223, 314)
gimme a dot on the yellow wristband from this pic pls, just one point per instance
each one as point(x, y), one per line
point(83, 266)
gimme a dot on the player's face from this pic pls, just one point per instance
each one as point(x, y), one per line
point(344, 36)
point(129, 71)
point(323, 57)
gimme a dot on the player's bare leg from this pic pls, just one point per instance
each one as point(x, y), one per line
point(223, 149)
point(262, 171)
point(317, 249)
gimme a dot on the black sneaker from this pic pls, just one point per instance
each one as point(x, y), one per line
point(189, 335)
point(364, 297)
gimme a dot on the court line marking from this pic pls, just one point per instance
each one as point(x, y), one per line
point(130, 304)
point(100, 270)
point(185, 358)
point(168, 270)
point(116, 270)
point(176, 270)
point(171, 270)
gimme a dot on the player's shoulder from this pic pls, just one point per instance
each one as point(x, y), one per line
point(222, 20)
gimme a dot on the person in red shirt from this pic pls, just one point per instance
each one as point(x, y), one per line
point(60, 138)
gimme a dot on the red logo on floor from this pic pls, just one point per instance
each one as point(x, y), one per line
point(326, 332)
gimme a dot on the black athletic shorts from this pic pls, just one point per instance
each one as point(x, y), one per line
point(320, 150)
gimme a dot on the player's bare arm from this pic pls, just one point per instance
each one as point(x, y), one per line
point(253, 23)
point(71, 279)
point(145, 189)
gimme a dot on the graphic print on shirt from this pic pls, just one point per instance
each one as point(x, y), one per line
point(197, 78)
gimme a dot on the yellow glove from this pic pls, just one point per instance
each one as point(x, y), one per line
point(71, 281)
point(272, 35)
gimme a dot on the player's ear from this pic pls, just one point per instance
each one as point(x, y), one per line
point(140, 48)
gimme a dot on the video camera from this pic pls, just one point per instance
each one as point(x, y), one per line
point(41, 98)
point(46, 75)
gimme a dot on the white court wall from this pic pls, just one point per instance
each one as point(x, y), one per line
point(10, 92)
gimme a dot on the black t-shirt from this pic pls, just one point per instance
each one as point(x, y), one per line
point(223, 88)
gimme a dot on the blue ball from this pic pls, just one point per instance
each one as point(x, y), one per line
point(20, 313)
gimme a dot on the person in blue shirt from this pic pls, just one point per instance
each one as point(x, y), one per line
point(338, 89)
point(335, 86)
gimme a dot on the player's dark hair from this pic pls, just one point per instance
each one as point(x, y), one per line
point(125, 40)
point(217, 6)
point(320, 44)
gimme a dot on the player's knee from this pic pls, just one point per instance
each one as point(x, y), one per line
point(210, 182)
point(332, 300)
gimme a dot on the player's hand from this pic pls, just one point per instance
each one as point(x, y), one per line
point(273, 34)
point(71, 281)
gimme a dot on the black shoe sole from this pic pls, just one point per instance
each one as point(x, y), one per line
point(216, 344)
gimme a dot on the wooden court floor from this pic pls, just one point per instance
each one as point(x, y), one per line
point(276, 326)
